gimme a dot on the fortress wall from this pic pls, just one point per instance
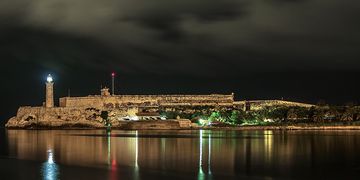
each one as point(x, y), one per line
point(42, 113)
point(147, 100)
point(81, 102)
point(27, 110)
point(259, 104)
point(68, 117)
point(280, 103)
point(57, 116)
point(69, 113)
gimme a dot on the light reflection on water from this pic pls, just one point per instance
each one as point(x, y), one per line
point(201, 172)
point(189, 154)
point(49, 170)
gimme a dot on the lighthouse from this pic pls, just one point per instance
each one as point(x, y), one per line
point(49, 101)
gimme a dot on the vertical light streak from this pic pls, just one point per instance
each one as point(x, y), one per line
point(136, 168)
point(136, 149)
point(268, 145)
point(109, 146)
point(209, 158)
point(201, 172)
point(50, 170)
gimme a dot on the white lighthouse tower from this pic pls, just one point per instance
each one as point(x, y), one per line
point(49, 101)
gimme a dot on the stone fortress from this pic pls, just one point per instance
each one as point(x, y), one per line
point(120, 101)
point(86, 111)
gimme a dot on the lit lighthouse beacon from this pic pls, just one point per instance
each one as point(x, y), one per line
point(49, 101)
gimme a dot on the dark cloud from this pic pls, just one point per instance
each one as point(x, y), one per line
point(214, 34)
point(171, 29)
point(168, 16)
point(59, 52)
point(257, 48)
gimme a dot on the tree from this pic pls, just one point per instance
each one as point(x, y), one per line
point(234, 118)
point(279, 113)
point(334, 113)
point(105, 116)
point(298, 113)
point(215, 116)
point(319, 115)
point(170, 114)
point(350, 114)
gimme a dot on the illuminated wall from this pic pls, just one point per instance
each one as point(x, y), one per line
point(259, 104)
point(147, 100)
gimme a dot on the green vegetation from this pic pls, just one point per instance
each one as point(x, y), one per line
point(272, 115)
point(105, 116)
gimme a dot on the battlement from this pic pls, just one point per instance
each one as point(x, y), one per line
point(148, 100)
point(259, 104)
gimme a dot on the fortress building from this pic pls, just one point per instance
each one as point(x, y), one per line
point(107, 101)
point(88, 110)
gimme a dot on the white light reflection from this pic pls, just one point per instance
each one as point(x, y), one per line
point(50, 157)
point(201, 175)
point(136, 168)
point(209, 160)
point(109, 146)
point(50, 170)
point(136, 149)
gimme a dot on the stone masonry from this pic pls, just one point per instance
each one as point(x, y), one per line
point(119, 101)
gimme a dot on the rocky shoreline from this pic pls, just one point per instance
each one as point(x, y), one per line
point(173, 125)
point(70, 118)
point(131, 125)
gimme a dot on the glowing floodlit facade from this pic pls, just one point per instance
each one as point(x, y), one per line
point(118, 101)
point(88, 111)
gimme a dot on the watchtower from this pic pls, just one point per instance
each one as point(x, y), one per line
point(105, 92)
point(49, 101)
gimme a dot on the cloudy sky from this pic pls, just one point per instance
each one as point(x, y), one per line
point(303, 50)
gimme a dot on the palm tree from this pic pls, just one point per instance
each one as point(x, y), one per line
point(319, 115)
point(350, 114)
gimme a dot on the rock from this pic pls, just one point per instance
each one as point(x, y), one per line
point(63, 117)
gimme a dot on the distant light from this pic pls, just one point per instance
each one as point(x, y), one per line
point(134, 118)
point(49, 78)
point(203, 122)
point(50, 157)
point(113, 74)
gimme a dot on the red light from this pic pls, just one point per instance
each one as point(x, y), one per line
point(113, 74)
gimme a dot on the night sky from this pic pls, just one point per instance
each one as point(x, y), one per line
point(303, 50)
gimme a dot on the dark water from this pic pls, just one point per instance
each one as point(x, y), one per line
point(96, 154)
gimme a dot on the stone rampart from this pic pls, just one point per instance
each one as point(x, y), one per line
point(259, 104)
point(74, 117)
point(51, 117)
point(147, 100)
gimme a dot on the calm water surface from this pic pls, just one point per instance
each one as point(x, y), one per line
point(185, 154)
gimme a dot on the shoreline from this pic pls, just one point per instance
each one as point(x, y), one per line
point(229, 128)
point(288, 128)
